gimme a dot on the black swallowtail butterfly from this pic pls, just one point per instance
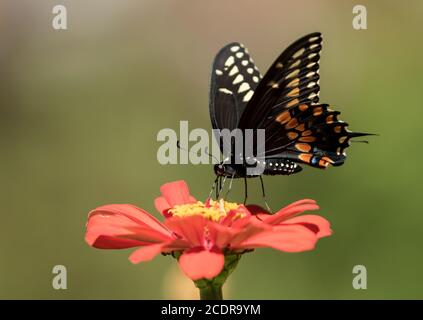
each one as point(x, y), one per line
point(285, 102)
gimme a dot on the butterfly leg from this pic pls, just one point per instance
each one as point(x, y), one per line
point(230, 186)
point(246, 190)
point(213, 187)
point(264, 194)
point(222, 185)
point(218, 182)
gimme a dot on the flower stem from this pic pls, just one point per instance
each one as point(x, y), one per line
point(212, 289)
point(211, 292)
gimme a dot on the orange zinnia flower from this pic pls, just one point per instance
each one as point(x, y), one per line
point(201, 234)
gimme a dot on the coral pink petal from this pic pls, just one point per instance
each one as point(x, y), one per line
point(198, 264)
point(289, 212)
point(162, 206)
point(176, 193)
point(124, 226)
point(323, 226)
point(131, 212)
point(146, 253)
point(247, 228)
point(221, 235)
point(109, 242)
point(289, 238)
point(191, 228)
point(301, 202)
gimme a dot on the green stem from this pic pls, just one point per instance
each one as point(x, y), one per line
point(211, 292)
point(212, 289)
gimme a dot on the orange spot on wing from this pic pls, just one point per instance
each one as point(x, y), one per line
point(303, 147)
point(283, 117)
point(327, 159)
point(300, 127)
point(307, 133)
point(303, 107)
point(292, 135)
point(306, 157)
point(329, 119)
point(294, 92)
point(338, 129)
point(294, 83)
point(307, 139)
point(292, 103)
point(292, 123)
point(323, 163)
point(317, 111)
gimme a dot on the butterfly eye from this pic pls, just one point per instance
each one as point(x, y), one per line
point(219, 169)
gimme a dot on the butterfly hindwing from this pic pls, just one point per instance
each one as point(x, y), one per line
point(314, 135)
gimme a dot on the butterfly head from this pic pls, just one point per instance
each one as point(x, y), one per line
point(219, 169)
point(227, 170)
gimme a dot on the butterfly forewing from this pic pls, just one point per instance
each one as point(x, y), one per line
point(293, 79)
point(233, 81)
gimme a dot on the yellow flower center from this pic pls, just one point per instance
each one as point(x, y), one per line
point(212, 210)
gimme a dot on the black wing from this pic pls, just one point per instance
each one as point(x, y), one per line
point(292, 79)
point(234, 78)
point(285, 104)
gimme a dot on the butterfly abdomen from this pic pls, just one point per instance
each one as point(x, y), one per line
point(280, 167)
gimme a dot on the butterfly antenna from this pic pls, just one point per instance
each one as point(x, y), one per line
point(178, 144)
point(212, 156)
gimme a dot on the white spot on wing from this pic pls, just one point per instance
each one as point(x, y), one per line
point(250, 70)
point(234, 48)
point(239, 54)
point(234, 71)
point(248, 96)
point(238, 79)
point(243, 87)
point(219, 72)
point(255, 79)
point(230, 61)
point(224, 90)
point(244, 62)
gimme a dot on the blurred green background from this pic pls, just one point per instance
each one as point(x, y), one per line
point(80, 110)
